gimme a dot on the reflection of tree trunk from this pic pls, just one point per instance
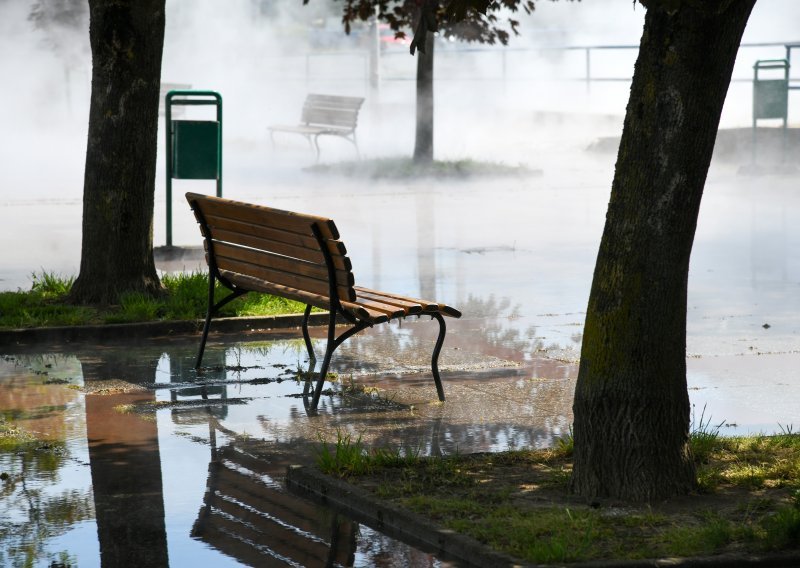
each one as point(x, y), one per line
point(377, 253)
point(125, 464)
point(423, 145)
point(375, 54)
point(426, 241)
point(126, 480)
point(631, 404)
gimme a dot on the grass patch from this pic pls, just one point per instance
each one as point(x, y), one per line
point(184, 298)
point(518, 502)
point(404, 168)
point(348, 457)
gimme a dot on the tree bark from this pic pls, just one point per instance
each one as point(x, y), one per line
point(127, 38)
point(423, 144)
point(631, 406)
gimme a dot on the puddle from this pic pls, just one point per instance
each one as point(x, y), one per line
point(145, 460)
point(159, 464)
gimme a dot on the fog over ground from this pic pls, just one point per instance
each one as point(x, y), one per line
point(524, 104)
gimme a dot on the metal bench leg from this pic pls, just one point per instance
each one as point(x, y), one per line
point(435, 359)
point(212, 309)
point(316, 145)
point(207, 324)
point(329, 348)
point(306, 337)
point(333, 343)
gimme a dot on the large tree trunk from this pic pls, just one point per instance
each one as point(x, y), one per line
point(423, 145)
point(631, 405)
point(127, 39)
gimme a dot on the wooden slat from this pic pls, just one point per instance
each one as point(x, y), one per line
point(335, 100)
point(427, 306)
point(281, 263)
point(389, 310)
point(329, 110)
point(364, 313)
point(243, 487)
point(346, 119)
point(278, 277)
point(287, 249)
point(257, 285)
point(237, 538)
point(335, 247)
point(410, 308)
point(261, 215)
point(216, 531)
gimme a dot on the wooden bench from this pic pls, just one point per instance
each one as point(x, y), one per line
point(325, 115)
point(251, 248)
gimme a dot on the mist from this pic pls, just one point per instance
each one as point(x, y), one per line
point(527, 104)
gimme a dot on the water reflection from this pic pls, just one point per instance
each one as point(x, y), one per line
point(38, 502)
point(166, 464)
point(248, 515)
point(125, 467)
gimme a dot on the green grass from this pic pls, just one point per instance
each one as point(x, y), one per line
point(348, 457)
point(404, 168)
point(518, 502)
point(185, 297)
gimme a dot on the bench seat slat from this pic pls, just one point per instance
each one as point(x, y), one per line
point(335, 247)
point(364, 313)
point(409, 308)
point(388, 309)
point(428, 307)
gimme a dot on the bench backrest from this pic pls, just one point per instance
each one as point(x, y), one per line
point(248, 243)
point(332, 110)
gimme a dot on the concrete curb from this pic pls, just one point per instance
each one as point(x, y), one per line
point(147, 330)
point(392, 521)
point(416, 530)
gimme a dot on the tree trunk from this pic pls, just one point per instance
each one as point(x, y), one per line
point(423, 144)
point(631, 405)
point(127, 38)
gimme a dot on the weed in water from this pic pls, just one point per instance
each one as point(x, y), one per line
point(566, 444)
point(346, 458)
point(703, 436)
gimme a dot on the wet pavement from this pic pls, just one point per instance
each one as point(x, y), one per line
point(153, 464)
point(158, 465)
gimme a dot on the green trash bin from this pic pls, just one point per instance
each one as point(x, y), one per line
point(770, 96)
point(194, 147)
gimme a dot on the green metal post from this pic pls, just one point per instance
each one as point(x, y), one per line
point(191, 152)
point(771, 97)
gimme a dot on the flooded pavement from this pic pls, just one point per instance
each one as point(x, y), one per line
point(149, 463)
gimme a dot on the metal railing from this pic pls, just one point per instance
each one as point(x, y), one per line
point(591, 54)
